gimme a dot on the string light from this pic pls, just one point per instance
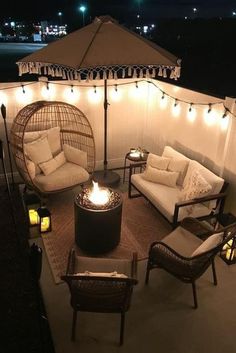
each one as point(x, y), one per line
point(72, 89)
point(225, 114)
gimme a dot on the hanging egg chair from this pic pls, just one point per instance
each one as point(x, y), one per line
point(53, 146)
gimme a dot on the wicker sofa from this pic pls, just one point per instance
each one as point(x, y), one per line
point(178, 186)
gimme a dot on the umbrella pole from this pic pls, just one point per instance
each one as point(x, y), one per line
point(106, 177)
point(105, 125)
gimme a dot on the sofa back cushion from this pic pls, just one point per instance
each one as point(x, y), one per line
point(178, 163)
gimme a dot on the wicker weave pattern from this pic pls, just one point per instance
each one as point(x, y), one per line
point(75, 130)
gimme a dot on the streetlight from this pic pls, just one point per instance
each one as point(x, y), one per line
point(82, 9)
point(60, 16)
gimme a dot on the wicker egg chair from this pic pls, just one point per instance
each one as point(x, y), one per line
point(75, 130)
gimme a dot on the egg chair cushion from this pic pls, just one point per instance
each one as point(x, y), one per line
point(68, 175)
point(39, 150)
point(75, 155)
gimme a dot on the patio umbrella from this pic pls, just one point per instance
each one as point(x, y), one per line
point(102, 50)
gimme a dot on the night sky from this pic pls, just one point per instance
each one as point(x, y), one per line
point(123, 10)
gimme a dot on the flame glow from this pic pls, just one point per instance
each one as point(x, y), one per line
point(99, 196)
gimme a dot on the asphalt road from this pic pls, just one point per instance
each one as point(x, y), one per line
point(10, 53)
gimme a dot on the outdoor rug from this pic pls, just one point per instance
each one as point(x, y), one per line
point(141, 225)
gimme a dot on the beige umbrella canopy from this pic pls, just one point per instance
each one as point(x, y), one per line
point(102, 50)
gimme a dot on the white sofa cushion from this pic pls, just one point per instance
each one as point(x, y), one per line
point(69, 174)
point(39, 150)
point(160, 176)
point(75, 155)
point(158, 162)
point(208, 244)
point(179, 163)
point(164, 199)
point(54, 163)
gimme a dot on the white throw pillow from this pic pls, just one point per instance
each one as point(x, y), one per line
point(209, 243)
point(75, 155)
point(53, 164)
point(179, 165)
point(158, 162)
point(39, 150)
point(196, 188)
point(160, 176)
point(102, 274)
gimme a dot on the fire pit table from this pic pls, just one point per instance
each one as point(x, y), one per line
point(98, 214)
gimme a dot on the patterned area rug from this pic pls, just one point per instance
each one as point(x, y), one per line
point(141, 225)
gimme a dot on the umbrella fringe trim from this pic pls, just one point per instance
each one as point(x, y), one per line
point(100, 72)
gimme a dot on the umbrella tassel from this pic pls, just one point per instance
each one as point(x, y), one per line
point(87, 77)
point(79, 76)
point(63, 75)
point(164, 73)
point(98, 76)
point(153, 72)
point(160, 71)
point(147, 73)
point(75, 75)
point(135, 73)
point(104, 75)
point(110, 75)
point(129, 71)
point(115, 75)
point(141, 73)
point(91, 75)
point(172, 74)
point(123, 72)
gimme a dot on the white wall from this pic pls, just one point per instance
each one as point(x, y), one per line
point(137, 117)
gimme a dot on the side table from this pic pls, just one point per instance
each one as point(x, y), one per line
point(128, 157)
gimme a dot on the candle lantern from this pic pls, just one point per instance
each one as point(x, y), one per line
point(228, 252)
point(32, 203)
point(45, 222)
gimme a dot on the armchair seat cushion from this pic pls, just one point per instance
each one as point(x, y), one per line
point(69, 174)
point(182, 241)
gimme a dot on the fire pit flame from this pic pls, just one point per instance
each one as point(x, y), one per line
point(99, 196)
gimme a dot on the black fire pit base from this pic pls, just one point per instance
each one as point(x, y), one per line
point(97, 231)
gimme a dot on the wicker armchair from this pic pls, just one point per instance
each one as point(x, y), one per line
point(103, 291)
point(34, 121)
point(175, 253)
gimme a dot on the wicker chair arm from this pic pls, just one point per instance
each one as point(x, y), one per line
point(186, 268)
point(196, 227)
